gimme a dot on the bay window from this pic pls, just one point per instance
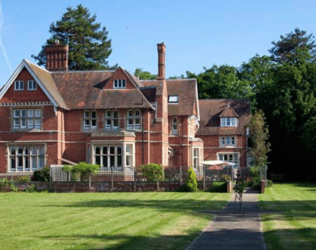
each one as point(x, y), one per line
point(26, 158)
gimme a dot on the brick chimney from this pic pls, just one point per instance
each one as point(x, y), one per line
point(161, 61)
point(56, 56)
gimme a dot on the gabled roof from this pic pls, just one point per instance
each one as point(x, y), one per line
point(186, 89)
point(84, 89)
point(43, 79)
point(228, 112)
point(212, 109)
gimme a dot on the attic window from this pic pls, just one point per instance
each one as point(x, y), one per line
point(18, 85)
point(173, 99)
point(229, 122)
point(119, 84)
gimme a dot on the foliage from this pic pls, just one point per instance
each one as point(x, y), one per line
point(289, 48)
point(239, 188)
point(191, 183)
point(13, 188)
point(89, 46)
point(221, 82)
point(3, 184)
point(259, 135)
point(23, 179)
point(67, 168)
point(226, 177)
point(30, 189)
point(153, 172)
point(218, 187)
point(42, 174)
point(85, 170)
point(269, 183)
point(144, 75)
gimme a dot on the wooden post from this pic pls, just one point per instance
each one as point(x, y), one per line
point(204, 185)
point(180, 175)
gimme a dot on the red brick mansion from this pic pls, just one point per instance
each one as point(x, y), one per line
point(111, 118)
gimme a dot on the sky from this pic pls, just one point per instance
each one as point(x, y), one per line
point(197, 33)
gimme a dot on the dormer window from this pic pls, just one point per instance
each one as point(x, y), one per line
point(229, 122)
point(19, 85)
point(173, 99)
point(119, 84)
point(31, 85)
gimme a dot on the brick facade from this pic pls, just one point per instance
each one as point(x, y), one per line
point(84, 116)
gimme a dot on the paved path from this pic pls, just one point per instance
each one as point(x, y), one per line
point(232, 229)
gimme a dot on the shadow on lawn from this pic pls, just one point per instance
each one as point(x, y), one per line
point(124, 241)
point(291, 238)
point(187, 205)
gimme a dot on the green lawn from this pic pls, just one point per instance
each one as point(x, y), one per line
point(148, 220)
point(293, 224)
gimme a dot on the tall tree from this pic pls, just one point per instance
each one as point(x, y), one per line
point(259, 135)
point(89, 46)
point(290, 46)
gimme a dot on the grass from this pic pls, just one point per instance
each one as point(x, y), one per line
point(293, 224)
point(104, 220)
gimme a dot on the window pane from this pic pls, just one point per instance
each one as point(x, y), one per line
point(137, 113)
point(93, 123)
point(93, 114)
point(130, 113)
point(23, 113)
point(112, 150)
point(128, 149)
point(86, 114)
point(16, 113)
point(119, 161)
point(115, 123)
point(112, 161)
point(37, 113)
point(119, 150)
point(105, 161)
point(108, 113)
point(97, 160)
point(38, 123)
point(97, 150)
point(30, 113)
point(115, 114)
point(105, 150)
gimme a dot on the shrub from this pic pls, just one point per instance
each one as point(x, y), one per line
point(226, 177)
point(269, 183)
point(219, 187)
point(30, 189)
point(23, 179)
point(85, 170)
point(256, 183)
point(42, 174)
point(3, 184)
point(13, 188)
point(153, 172)
point(190, 183)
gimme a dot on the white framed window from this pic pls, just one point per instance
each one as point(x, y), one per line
point(229, 122)
point(27, 119)
point(119, 84)
point(90, 119)
point(128, 155)
point(31, 85)
point(230, 157)
point(196, 158)
point(19, 85)
point(228, 140)
point(111, 120)
point(133, 117)
point(108, 156)
point(26, 158)
point(173, 99)
point(174, 125)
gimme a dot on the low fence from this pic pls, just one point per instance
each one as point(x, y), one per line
point(172, 174)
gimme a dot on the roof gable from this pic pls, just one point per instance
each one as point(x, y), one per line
point(41, 76)
point(228, 112)
point(121, 74)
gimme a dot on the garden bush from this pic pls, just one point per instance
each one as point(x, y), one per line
point(30, 189)
point(269, 183)
point(3, 184)
point(153, 172)
point(13, 188)
point(23, 179)
point(190, 183)
point(219, 187)
point(41, 174)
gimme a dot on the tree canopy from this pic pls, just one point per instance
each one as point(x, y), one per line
point(89, 46)
point(290, 46)
point(144, 75)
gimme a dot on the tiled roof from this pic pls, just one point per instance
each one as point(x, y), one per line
point(46, 79)
point(210, 111)
point(84, 89)
point(186, 91)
